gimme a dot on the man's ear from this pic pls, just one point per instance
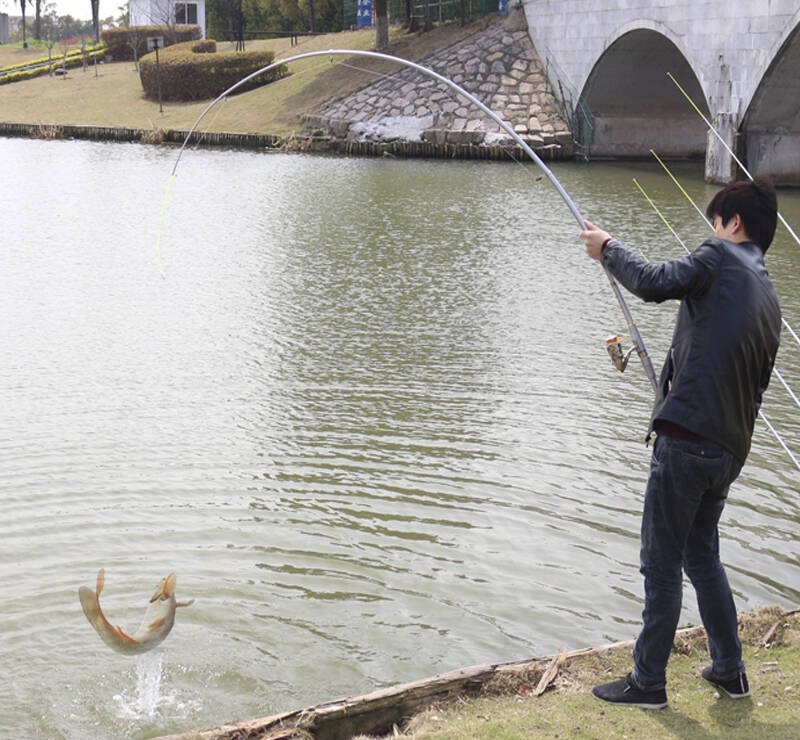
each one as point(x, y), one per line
point(738, 229)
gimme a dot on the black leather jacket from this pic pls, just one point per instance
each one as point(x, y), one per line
point(725, 340)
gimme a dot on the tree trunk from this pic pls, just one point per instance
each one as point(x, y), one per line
point(411, 21)
point(381, 24)
point(37, 24)
point(24, 37)
point(312, 16)
point(96, 20)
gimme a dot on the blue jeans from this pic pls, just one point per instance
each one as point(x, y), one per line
point(683, 501)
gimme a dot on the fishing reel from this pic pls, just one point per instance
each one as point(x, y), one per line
point(619, 357)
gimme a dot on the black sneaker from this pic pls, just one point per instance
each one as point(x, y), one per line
point(736, 688)
point(625, 691)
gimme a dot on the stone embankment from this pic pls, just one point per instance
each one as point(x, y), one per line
point(498, 65)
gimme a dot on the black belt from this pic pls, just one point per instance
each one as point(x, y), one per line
point(671, 429)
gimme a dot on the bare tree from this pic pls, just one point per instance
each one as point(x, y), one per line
point(135, 41)
point(50, 42)
point(65, 50)
point(162, 13)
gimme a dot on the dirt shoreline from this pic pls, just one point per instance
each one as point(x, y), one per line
point(309, 143)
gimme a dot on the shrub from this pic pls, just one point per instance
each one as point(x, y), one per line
point(121, 41)
point(197, 71)
point(57, 55)
point(57, 62)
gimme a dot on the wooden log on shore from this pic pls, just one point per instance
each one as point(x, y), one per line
point(378, 711)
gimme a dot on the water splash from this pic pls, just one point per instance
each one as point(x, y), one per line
point(144, 703)
point(148, 682)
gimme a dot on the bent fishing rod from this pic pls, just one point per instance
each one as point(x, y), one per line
point(636, 338)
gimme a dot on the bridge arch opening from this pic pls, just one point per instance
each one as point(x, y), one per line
point(771, 125)
point(633, 107)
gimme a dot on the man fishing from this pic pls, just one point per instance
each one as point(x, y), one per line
point(716, 371)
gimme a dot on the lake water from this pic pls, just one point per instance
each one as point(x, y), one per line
point(366, 415)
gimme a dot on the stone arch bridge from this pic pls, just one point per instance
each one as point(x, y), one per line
point(739, 60)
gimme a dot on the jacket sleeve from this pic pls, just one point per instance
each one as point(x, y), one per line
point(688, 276)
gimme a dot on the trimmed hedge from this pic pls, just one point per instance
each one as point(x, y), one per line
point(57, 62)
point(197, 71)
point(121, 41)
point(57, 56)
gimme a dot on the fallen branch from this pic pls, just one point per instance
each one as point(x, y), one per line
point(770, 634)
point(550, 674)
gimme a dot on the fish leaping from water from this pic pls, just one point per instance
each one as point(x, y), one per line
point(156, 625)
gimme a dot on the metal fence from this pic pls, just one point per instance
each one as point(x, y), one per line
point(359, 13)
point(570, 106)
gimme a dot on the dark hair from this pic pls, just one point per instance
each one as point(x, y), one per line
point(756, 204)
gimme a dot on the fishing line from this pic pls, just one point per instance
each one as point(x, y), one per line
point(159, 260)
point(208, 126)
point(660, 215)
point(682, 189)
point(634, 331)
point(711, 226)
point(778, 437)
point(728, 149)
point(774, 369)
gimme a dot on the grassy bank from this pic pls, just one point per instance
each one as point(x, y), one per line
point(695, 711)
point(111, 94)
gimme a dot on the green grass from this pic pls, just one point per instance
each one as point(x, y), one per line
point(111, 94)
point(695, 711)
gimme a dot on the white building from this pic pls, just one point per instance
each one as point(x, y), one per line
point(167, 12)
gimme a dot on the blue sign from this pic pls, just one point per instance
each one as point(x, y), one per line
point(364, 13)
point(502, 6)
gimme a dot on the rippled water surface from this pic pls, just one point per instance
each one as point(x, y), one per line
point(366, 415)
